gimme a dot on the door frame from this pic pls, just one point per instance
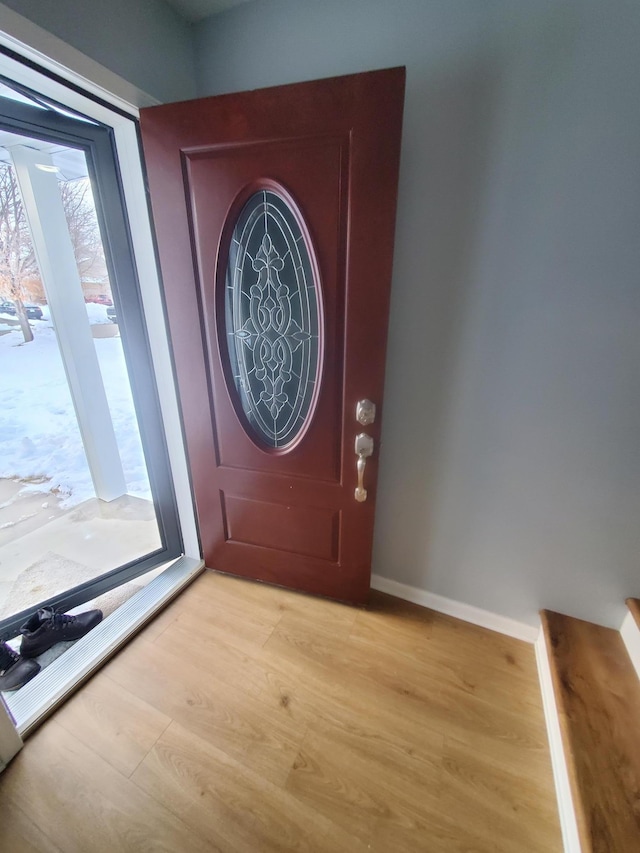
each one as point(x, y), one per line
point(10, 740)
point(43, 125)
point(40, 61)
point(29, 67)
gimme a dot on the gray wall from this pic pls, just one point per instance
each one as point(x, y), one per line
point(510, 471)
point(144, 41)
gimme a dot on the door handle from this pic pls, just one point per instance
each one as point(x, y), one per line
point(364, 449)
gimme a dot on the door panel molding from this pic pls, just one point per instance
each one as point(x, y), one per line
point(334, 145)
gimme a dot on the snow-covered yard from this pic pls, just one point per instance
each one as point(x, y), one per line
point(39, 436)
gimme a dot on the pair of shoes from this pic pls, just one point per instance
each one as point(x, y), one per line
point(47, 627)
point(43, 630)
point(15, 670)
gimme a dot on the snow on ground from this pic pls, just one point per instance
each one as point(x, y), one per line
point(96, 313)
point(39, 435)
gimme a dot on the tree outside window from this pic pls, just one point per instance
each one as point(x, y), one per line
point(20, 280)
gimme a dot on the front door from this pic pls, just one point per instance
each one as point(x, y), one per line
point(274, 212)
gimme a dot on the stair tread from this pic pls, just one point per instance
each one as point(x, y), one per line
point(634, 608)
point(598, 697)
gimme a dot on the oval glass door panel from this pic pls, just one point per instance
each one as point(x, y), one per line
point(272, 317)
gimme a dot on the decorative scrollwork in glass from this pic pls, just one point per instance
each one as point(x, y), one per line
point(272, 317)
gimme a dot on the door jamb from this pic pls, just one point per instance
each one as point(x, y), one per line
point(10, 740)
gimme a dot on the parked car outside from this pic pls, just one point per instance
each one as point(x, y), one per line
point(33, 312)
point(100, 299)
point(111, 314)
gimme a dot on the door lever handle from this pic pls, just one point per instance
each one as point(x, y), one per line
point(364, 449)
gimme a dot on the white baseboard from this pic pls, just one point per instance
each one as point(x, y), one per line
point(465, 612)
point(630, 634)
point(568, 823)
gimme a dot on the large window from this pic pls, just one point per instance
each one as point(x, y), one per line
point(81, 432)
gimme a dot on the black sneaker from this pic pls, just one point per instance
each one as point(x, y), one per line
point(46, 628)
point(15, 671)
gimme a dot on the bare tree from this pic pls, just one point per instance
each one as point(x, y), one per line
point(17, 258)
point(80, 212)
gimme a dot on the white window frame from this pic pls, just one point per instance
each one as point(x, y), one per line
point(89, 78)
point(10, 740)
point(128, 152)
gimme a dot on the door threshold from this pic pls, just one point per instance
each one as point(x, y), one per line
point(43, 694)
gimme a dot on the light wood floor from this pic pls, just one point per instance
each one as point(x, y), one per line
point(598, 697)
point(247, 718)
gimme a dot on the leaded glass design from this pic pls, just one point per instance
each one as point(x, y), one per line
point(272, 319)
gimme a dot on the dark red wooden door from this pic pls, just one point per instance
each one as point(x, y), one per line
point(274, 212)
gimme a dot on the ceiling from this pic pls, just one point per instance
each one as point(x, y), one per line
point(69, 163)
point(196, 10)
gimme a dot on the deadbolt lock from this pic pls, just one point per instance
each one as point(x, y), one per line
point(365, 412)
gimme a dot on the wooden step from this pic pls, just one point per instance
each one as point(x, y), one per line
point(598, 698)
point(634, 608)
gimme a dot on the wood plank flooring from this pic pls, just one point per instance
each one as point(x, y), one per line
point(598, 697)
point(247, 718)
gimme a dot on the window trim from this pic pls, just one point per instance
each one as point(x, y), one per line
point(122, 120)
